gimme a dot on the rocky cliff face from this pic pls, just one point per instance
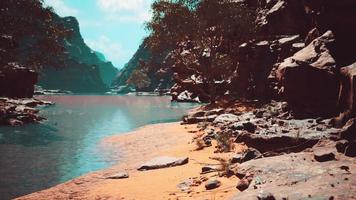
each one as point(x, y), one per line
point(310, 80)
point(82, 69)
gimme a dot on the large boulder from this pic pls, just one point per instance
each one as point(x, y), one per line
point(309, 78)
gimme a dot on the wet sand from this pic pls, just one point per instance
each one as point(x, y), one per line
point(168, 139)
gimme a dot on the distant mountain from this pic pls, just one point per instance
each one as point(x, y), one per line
point(101, 56)
point(83, 70)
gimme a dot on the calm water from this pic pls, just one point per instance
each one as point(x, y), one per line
point(38, 156)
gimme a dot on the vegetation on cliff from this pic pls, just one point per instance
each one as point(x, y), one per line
point(204, 36)
point(83, 70)
point(29, 34)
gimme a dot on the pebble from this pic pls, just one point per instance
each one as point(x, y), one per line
point(212, 184)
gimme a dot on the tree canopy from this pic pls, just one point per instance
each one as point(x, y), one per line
point(29, 33)
point(202, 36)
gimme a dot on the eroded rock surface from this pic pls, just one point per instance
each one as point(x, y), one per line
point(297, 176)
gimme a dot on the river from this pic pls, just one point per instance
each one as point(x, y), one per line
point(66, 145)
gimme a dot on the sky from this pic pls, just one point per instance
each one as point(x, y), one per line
point(112, 27)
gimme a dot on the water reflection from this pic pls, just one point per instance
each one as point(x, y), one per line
point(38, 156)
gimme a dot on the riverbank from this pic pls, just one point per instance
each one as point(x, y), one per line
point(246, 151)
point(169, 139)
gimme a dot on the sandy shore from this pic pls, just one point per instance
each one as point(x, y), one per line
point(170, 139)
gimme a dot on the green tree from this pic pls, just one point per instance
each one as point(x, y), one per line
point(203, 36)
point(29, 33)
point(139, 78)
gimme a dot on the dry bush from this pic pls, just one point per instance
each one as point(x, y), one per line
point(200, 144)
point(224, 165)
point(225, 141)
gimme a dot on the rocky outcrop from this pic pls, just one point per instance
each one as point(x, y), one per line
point(272, 130)
point(188, 91)
point(82, 70)
point(17, 81)
point(202, 116)
point(17, 112)
point(296, 176)
point(309, 78)
point(284, 158)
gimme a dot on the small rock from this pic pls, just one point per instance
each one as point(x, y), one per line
point(249, 154)
point(324, 154)
point(243, 184)
point(208, 169)
point(207, 140)
point(237, 158)
point(120, 175)
point(259, 181)
point(212, 184)
point(185, 185)
point(263, 195)
point(226, 118)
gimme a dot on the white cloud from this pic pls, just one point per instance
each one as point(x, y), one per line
point(61, 8)
point(113, 52)
point(126, 10)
